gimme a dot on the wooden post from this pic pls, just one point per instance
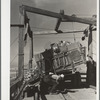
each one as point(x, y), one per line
point(21, 53)
point(21, 45)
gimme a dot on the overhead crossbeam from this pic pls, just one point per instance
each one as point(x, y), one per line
point(57, 15)
point(54, 32)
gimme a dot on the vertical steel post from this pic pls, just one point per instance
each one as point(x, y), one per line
point(90, 65)
point(90, 44)
point(21, 45)
point(21, 53)
point(31, 52)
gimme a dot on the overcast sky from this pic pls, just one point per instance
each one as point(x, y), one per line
point(81, 8)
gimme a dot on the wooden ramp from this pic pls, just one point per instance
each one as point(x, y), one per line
point(73, 94)
point(55, 97)
point(82, 94)
point(29, 98)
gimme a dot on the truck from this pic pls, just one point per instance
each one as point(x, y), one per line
point(63, 58)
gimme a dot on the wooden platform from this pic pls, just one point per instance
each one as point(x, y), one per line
point(54, 97)
point(82, 94)
point(30, 98)
point(73, 94)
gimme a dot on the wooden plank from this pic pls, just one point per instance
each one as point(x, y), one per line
point(93, 87)
point(62, 96)
point(21, 45)
point(68, 97)
point(54, 97)
point(29, 98)
point(83, 94)
point(57, 15)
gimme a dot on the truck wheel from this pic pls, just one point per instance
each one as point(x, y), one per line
point(76, 80)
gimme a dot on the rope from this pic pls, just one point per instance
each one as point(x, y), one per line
point(73, 33)
point(13, 42)
point(94, 40)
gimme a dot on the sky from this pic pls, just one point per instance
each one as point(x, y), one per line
point(81, 8)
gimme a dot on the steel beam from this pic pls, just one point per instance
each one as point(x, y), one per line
point(16, 25)
point(54, 32)
point(57, 15)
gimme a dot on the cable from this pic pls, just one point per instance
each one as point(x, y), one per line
point(73, 32)
point(94, 53)
point(13, 59)
point(94, 40)
point(94, 47)
point(13, 42)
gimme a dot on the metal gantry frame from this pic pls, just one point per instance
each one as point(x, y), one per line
point(61, 18)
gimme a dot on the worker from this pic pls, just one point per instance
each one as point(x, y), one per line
point(91, 71)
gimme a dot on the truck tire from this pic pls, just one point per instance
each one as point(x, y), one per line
point(76, 80)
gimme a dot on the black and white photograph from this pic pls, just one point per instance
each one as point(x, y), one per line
point(53, 50)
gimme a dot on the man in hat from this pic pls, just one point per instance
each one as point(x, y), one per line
point(91, 71)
